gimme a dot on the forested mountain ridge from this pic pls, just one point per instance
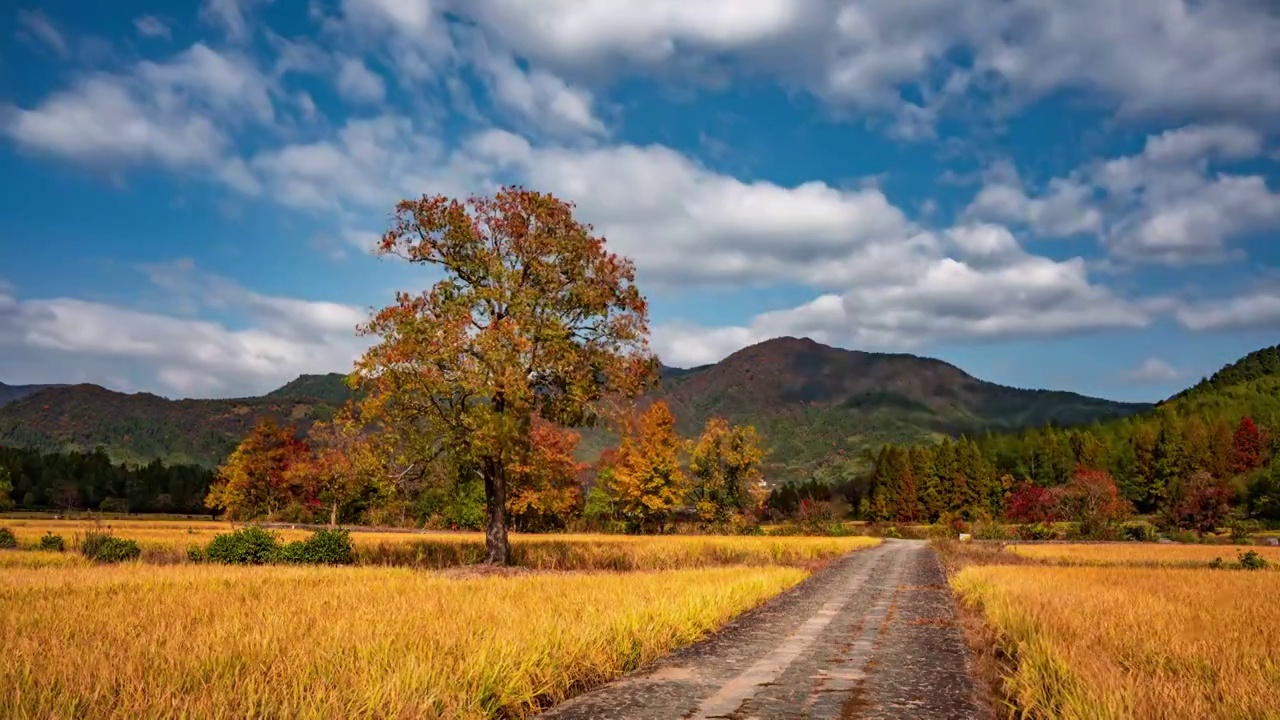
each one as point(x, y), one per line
point(809, 401)
point(140, 427)
point(1222, 433)
point(9, 393)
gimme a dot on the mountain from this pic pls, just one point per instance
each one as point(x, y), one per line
point(331, 388)
point(808, 400)
point(139, 427)
point(9, 393)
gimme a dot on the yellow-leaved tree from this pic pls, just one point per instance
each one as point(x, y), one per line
point(725, 467)
point(647, 481)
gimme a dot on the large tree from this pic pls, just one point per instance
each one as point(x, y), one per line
point(531, 315)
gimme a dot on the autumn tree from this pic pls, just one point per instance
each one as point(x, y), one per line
point(724, 465)
point(1031, 503)
point(532, 316)
point(647, 482)
point(259, 478)
point(340, 467)
point(1092, 499)
point(545, 489)
point(1249, 445)
point(1201, 503)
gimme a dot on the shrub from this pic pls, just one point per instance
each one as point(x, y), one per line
point(52, 542)
point(195, 554)
point(1251, 561)
point(324, 547)
point(892, 532)
point(107, 548)
point(1138, 531)
point(1242, 530)
point(250, 545)
point(1217, 563)
point(989, 531)
point(1037, 531)
point(114, 505)
point(1184, 536)
point(8, 541)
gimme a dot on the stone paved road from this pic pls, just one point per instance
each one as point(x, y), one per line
point(871, 636)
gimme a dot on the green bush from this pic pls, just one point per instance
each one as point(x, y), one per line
point(1138, 531)
point(195, 554)
point(107, 548)
point(1185, 536)
point(52, 542)
point(8, 541)
point(114, 505)
point(1037, 531)
point(324, 547)
point(892, 532)
point(250, 545)
point(1217, 563)
point(1242, 530)
point(1251, 561)
point(990, 531)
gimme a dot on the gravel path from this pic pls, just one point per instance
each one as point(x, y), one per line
point(871, 636)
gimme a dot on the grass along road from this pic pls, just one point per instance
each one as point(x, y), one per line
point(1099, 643)
point(133, 641)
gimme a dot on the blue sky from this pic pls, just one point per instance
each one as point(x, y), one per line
point(1081, 196)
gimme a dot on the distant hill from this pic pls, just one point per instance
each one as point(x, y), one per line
point(331, 388)
point(1257, 365)
point(139, 427)
point(9, 393)
point(808, 400)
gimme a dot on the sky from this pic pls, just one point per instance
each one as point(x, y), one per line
point(1081, 196)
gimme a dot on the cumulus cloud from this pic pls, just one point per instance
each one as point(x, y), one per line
point(539, 98)
point(1166, 204)
point(173, 113)
point(66, 339)
point(230, 16)
point(357, 83)
point(1154, 371)
point(1259, 308)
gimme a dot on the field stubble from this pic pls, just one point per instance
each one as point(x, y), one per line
point(217, 641)
point(164, 541)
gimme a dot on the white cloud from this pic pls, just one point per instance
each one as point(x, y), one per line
point(102, 119)
point(357, 83)
point(151, 26)
point(538, 98)
point(1153, 371)
point(65, 339)
point(1166, 204)
point(39, 26)
point(230, 17)
point(175, 113)
point(1257, 309)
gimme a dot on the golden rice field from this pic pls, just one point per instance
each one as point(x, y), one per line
point(1109, 642)
point(133, 641)
point(1139, 553)
point(168, 540)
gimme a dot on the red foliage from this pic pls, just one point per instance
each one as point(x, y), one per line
point(1249, 445)
point(1092, 499)
point(1030, 503)
point(1202, 504)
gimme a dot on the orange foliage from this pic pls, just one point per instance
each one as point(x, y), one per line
point(544, 489)
point(647, 481)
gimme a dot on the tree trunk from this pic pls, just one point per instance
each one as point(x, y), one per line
point(333, 515)
point(497, 547)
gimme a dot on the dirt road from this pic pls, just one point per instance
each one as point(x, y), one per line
point(872, 636)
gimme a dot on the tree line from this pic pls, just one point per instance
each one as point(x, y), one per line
point(651, 479)
point(89, 480)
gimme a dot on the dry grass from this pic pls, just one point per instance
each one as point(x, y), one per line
point(132, 641)
point(1138, 553)
point(39, 559)
point(168, 541)
point(1098, 643)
